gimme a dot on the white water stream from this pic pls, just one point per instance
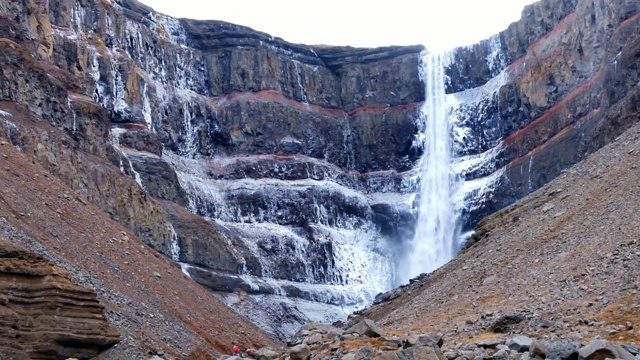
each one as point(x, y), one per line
point(437, 231)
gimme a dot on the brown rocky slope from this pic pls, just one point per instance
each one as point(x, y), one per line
point(563, 262)
point(153, 306)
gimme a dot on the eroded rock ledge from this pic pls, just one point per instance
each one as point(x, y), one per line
point(44, 314)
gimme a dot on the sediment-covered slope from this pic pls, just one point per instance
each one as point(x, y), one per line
point(152, 306)
point(561, 263)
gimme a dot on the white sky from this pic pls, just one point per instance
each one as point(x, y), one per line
point(437, 24)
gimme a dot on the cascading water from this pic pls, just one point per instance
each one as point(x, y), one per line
point(436, 235)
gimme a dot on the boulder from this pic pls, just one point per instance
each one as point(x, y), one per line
point(364, 353)
point(314, 339)
point(300, 352)
point(537, 349)
point(266, 354)
point(490, 343)
point(633, 350)
point(519, 343)
point(500, 354)
point(602, 349)
point(504, 323)
point(426, 352)
point(335, 333)
point(414, 340)
point(560, 349)
point(366, 327)
point(387, 356)
point(434, 339)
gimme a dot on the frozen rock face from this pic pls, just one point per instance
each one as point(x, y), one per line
point(292, 160)
point(295, 163)
point(539, 96)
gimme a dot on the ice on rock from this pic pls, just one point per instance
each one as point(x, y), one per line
point(474, 193)
point(359, 264)
point(496, 59)
point(146, 108)
point(114, 136)
point(303, 94)
point(63, 32)
point(189, 145)
point(478, 94)
point(175, 245)
point(168, 26)
point(478, 165)
point(73, 114)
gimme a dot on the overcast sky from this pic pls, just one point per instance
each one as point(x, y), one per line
point(437, 24)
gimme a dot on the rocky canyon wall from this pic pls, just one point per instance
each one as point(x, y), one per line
point(538, 97)
point(293, 160)
point(286, 169)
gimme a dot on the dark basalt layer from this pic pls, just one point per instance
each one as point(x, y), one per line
point(335, 57)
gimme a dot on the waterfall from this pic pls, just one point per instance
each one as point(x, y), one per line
point(174, 246)
point(114, 136)
point(435, 241)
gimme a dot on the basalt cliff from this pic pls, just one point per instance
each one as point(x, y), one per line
point(174, 166)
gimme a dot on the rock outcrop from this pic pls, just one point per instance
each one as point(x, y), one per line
point(45, 315)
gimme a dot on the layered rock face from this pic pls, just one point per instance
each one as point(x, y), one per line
point(293, 160)
point(268, 141)
point(541, 95)
point(45, 315)
point(296, 163)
